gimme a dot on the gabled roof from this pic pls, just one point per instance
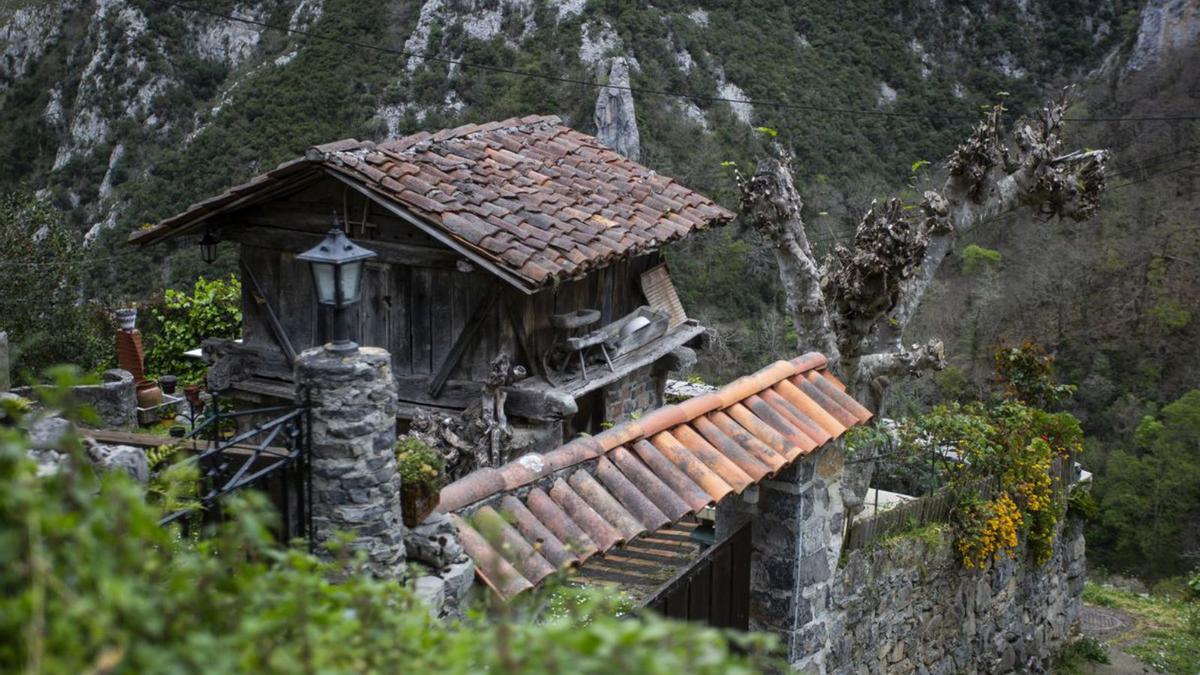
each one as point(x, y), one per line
point(530, 196)
point(540, 513)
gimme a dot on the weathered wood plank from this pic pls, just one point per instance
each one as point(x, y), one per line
point(375, 310)
point(401, 344)
point(441, 316)
point(265, 303)
point(464, 340)
point(297, 305)
point(421, 320)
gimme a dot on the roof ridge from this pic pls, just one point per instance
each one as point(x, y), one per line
point(404, 143)
point(485, 483)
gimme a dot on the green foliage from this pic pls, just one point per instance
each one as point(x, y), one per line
point(1170, 315)
point(978, 259)
point(1003, 477)
point(953, 383)
point(418, 463)
point(1082, 505)
point(89, 582)
point(1078, 655)
point(1027, 373)
point(1193, 585)
point(40, 303)
point(212, 309)
point(1151, 492)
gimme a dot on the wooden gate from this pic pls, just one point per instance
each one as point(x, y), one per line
point(714, 589)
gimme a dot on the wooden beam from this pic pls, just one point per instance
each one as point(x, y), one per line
point(535, 366)
point(465, 339)
point(281, 337)
point(295, 241)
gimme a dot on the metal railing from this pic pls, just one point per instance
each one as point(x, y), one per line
point(272, 454)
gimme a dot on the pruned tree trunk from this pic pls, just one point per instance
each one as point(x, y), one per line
point(856, 305)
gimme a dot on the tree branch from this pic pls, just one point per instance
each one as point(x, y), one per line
point(772, 206)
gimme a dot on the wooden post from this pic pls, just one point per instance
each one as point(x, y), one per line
point(5, 382)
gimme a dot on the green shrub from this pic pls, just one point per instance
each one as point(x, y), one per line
point(418, 463)
point(977, 259)
point(212, 309)
point(90, 582)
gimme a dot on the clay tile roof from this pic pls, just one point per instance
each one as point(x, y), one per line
point(524, 520)
point(459, 183)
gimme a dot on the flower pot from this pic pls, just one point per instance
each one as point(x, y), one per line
point(167, 382)
point(417, 501)
point(127, 318)
point(150, 396)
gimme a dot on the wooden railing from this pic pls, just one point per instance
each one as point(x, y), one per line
point(938, 507)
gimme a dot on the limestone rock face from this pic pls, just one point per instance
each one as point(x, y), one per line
point(1167, 26)
point(616, 125)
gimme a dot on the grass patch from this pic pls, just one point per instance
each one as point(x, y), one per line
point(1075, 656)
point(1166, 632)
point(930, 534)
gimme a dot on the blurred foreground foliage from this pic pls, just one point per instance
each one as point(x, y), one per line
point(90, 582)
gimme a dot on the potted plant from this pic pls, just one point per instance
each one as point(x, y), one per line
point(422, 475)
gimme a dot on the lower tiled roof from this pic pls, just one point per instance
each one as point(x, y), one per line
point(525, 520)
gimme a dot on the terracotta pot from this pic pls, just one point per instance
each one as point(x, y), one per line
point(150, 396)
point(417, 501)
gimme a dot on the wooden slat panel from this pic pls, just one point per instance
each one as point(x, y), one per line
point(739, 610)
point(376, 308)
point(421, 320)
point(699, 598)
point(265, 265)
point(722, 586)
point(660, 293)
point(441, 320)
point(402, 333)
point(297, 306)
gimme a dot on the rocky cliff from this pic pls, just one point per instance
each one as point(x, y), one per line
point(123, 111)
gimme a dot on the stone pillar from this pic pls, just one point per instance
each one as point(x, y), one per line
point(355, 484)
point(5, 382)
point(797, 538)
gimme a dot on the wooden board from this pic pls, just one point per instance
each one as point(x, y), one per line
point(660, 293)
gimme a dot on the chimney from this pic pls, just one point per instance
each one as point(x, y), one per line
point(131, 357)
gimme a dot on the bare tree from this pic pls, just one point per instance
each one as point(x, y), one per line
point(855, 305)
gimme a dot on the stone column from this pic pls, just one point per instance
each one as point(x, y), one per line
point(797, 538)
point(5, 382)
point(355, 484)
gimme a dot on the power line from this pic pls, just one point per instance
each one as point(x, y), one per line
point(1160, 174)
point(600, 85)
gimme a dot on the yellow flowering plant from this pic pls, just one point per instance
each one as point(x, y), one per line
point(1003, 474)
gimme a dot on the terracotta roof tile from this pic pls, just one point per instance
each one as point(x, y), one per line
point(467, 181)
point(645, 474)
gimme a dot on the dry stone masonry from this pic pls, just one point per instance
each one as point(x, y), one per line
point(909, 606)
point(355, 483)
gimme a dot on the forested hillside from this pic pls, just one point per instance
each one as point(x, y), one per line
point(122, 112)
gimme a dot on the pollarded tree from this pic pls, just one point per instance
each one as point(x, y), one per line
point(856, 304)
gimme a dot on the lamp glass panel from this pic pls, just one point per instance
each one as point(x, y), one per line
point(326, 282)
point(351, 282)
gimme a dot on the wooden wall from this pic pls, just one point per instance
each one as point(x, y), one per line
point(417, 300)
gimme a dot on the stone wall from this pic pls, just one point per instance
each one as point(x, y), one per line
point(638, 392)
point(909, 606)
